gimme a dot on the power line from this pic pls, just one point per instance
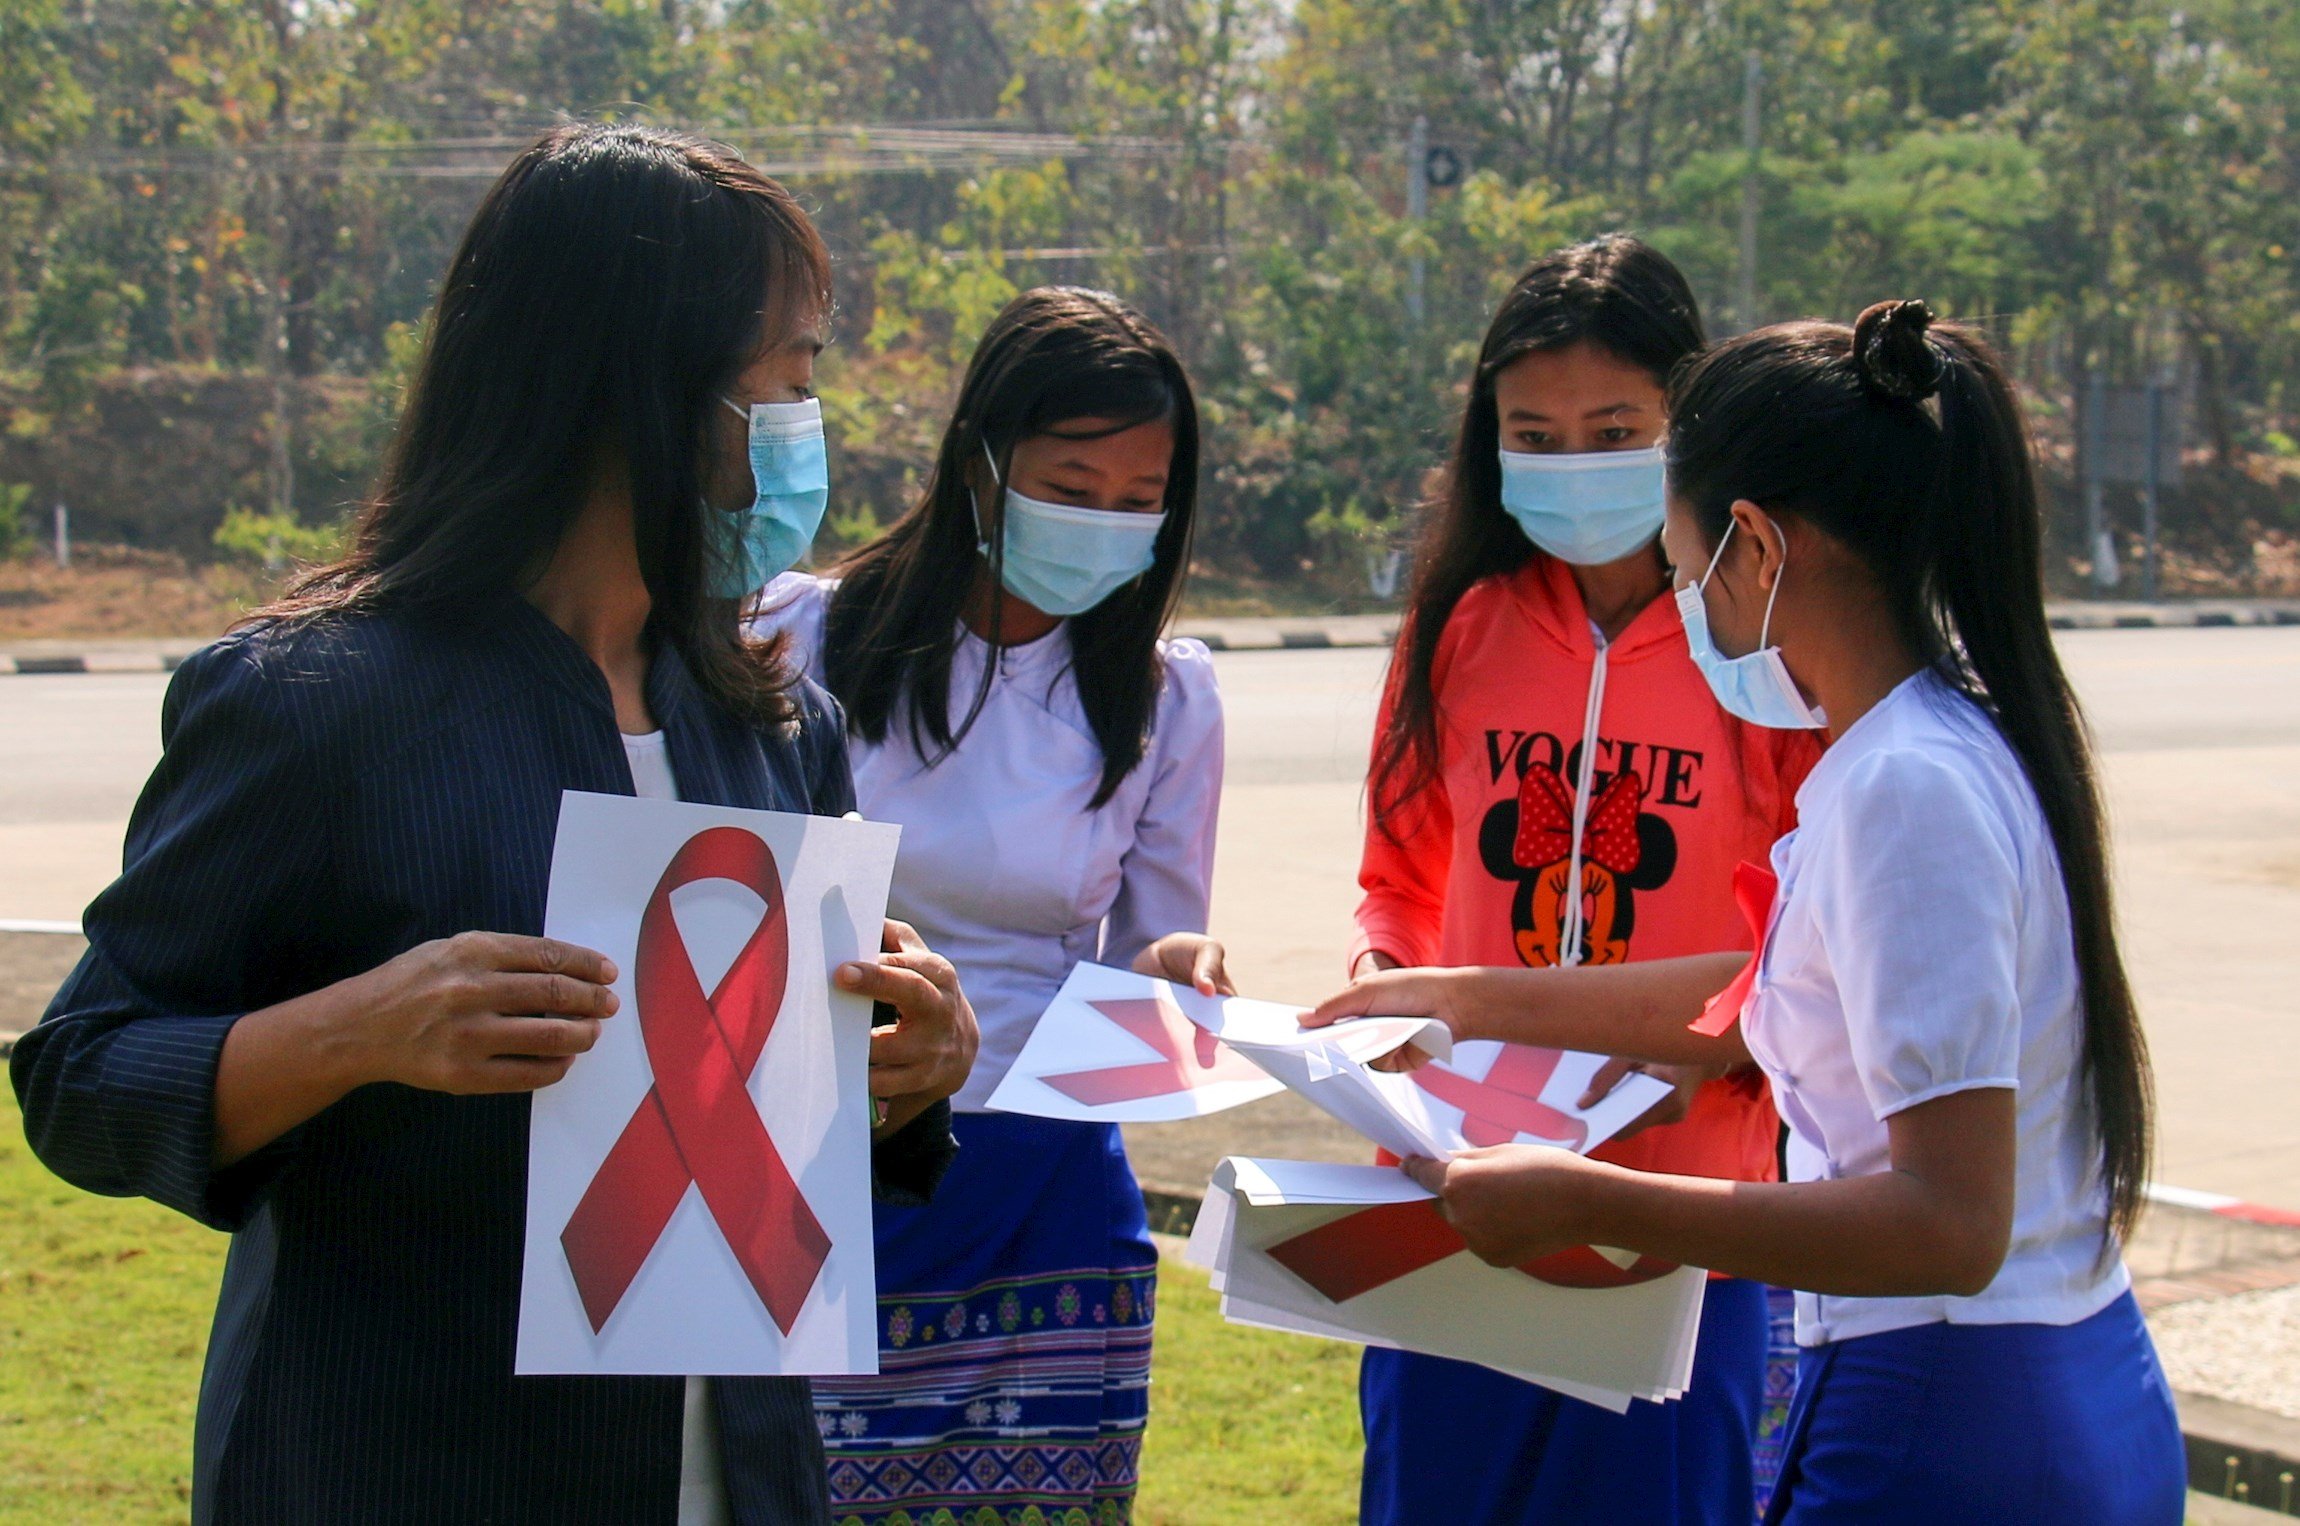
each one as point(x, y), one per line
point(788, 151)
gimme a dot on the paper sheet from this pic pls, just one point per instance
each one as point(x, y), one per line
point(1113, 1047)
point(631, 1265)
point(1265, 1224)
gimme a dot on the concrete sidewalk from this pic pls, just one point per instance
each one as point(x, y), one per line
point(1242, 634)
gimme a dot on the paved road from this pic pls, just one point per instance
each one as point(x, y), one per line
point(2200, 731)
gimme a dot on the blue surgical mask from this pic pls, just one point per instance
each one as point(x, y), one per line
point(791, 476)
point(1064, 560)
point(1585, 509)
point(1757, 688)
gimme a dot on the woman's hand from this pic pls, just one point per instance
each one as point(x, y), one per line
point(1513, 1202)
point(1684, 1082)
point(478, 1012)
point(1372, 962)
point(1427, 992)
point(1187, 959)
point(923, 1045)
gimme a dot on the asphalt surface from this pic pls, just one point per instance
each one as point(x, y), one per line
point(2199, 730)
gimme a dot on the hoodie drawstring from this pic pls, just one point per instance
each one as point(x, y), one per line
point(1569, 951)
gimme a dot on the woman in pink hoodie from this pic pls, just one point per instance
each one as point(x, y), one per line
point(1554, 784)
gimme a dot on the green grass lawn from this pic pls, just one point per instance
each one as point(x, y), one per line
point(104, 1308)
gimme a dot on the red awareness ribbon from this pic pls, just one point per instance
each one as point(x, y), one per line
point(1754, 888)
point(1507, 1103)
point(698, 1123)
point(1374, 1247)
point(1188, 1057)
point(1361, 1251)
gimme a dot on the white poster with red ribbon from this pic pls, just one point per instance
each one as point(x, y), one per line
point(698, 1188)
point(1361, 1253)
point(1117, 1047)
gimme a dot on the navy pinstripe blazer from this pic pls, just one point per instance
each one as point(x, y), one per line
point(326, 800)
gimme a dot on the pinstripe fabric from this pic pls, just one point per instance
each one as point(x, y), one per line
point(327, 800)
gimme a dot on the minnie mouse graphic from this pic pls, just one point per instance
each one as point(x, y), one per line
point(1529, 840)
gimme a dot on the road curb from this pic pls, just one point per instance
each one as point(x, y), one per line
point(2223, 1206)
point(91, 662)
point(2240, 1453)
point(1244, 634)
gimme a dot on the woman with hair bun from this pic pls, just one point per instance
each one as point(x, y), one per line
point(1939, 1001)
point(1553, 785)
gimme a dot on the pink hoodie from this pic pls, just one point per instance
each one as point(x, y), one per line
point(1680, 793)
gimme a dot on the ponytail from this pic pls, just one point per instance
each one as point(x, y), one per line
point(1902, 440)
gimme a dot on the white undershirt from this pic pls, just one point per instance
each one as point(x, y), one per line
point(702, 1481)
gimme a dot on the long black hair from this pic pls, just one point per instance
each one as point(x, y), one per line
point(1615, 292)
point(1903, 441)
point(613, 283)
point(1054, 358)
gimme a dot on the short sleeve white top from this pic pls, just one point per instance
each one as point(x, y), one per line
point(1003, 869)
point(1921, 946)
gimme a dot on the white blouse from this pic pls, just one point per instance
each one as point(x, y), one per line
point(1921, 946)
point(1003, 869)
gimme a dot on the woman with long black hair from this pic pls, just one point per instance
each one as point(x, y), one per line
point(1552, 784)
point(1939, 1001)
point(315, 1000)
point(1055, 765)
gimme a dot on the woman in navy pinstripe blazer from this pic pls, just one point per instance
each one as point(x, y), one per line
point(315, 999)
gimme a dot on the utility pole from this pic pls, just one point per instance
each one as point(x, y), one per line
point(1417, 211)
point(63, 535)
point(2154, 466)
point(275, 343)
point(1745, 273)
point(2097, 541)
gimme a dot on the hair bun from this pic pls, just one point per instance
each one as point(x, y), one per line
point(1891, 354)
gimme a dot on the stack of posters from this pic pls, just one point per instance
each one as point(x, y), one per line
point(1361, 1253)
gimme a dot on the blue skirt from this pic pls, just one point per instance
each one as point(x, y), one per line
point(1014, 1339)
point(2027, 1425)
point(1463, 1445)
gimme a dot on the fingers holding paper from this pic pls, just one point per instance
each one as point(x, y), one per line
point(1397, 993)
point(1684, 1083)
point(1512, 1203)
point(483, 1012)
point(924, 1044)
point(1188, 959)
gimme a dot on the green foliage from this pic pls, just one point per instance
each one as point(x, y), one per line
point(17, 531)
point(2112, 179)
point(276, 539)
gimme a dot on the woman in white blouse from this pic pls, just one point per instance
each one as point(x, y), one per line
point(1938, 1000)
point(1055, 767)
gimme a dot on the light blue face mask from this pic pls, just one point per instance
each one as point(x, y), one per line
point(1064, 560)
point(1757, 687)
point(1585, 509)
point(791, 476)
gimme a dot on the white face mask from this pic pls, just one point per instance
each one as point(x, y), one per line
point(1063, 559)
point(1757, 688)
